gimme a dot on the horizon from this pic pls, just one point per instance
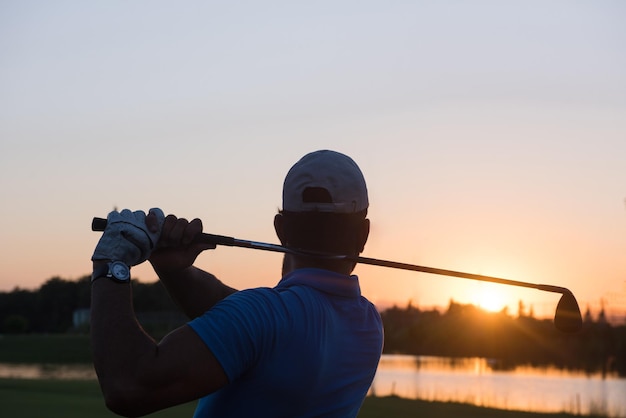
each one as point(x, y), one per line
point(615, 317)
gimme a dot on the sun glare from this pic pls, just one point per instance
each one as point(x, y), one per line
point(490, 299)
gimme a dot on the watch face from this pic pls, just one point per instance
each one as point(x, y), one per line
point(120, 271)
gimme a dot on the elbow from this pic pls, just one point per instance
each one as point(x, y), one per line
point(122, 402)
point(120, 406)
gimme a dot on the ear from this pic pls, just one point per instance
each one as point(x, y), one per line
point(279, 223)
point(364, 233)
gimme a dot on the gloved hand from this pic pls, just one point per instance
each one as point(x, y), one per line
point(127, 238)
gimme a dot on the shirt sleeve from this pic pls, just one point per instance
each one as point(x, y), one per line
point(239, 329)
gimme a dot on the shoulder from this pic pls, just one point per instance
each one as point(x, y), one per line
point(251, 308)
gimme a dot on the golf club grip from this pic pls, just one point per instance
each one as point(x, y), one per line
point(99, 224)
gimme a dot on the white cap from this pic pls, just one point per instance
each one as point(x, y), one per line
point(335, 175)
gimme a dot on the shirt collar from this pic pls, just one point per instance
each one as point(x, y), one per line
point(323, 280)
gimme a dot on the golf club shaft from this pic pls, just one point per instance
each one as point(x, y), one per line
point(98, 224)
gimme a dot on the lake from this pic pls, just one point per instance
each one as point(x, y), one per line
point(474, 381)
point(467, 380)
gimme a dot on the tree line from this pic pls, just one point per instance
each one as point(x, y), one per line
point(508, 341)
point(458, 331)
point(52, 307)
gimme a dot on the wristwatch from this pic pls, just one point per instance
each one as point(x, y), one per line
point(117, 271)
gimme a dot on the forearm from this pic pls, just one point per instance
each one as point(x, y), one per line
point(118, 341)
point(194, 290)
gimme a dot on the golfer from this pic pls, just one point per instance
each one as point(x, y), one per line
point(309, 347)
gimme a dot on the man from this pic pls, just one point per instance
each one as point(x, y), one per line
point(308, 347)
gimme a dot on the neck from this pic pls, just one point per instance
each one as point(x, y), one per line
point(292, 262)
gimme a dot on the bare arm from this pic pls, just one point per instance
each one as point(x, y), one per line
point(138, 375)
point(194, 290)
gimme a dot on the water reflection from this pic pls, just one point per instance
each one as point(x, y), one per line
point(47, 371)
point(476, 381)
point(483, 382)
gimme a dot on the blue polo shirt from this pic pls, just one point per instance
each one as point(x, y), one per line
point(308, 347)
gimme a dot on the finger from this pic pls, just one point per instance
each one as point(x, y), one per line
point(166, 231)
point(177, 232)
point(139, 217)
point(152, 222)
point(193, 229)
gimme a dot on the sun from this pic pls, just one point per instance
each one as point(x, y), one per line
point(490, 298)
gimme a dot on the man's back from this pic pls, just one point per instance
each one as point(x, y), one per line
point(308, 347)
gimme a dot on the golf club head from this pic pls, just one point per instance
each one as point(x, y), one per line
point(567, 317)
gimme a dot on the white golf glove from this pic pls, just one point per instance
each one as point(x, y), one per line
point(127, 238)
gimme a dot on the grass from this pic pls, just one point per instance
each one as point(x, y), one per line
point(24, 398)
point(45, 348)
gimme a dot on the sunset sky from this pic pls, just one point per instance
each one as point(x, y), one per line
point(492, 135)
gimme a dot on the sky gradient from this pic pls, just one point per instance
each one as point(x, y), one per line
point(492, 135)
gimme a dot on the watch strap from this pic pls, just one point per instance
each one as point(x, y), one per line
point(104, 270)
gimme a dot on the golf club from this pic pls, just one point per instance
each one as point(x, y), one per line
point(567, 317)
